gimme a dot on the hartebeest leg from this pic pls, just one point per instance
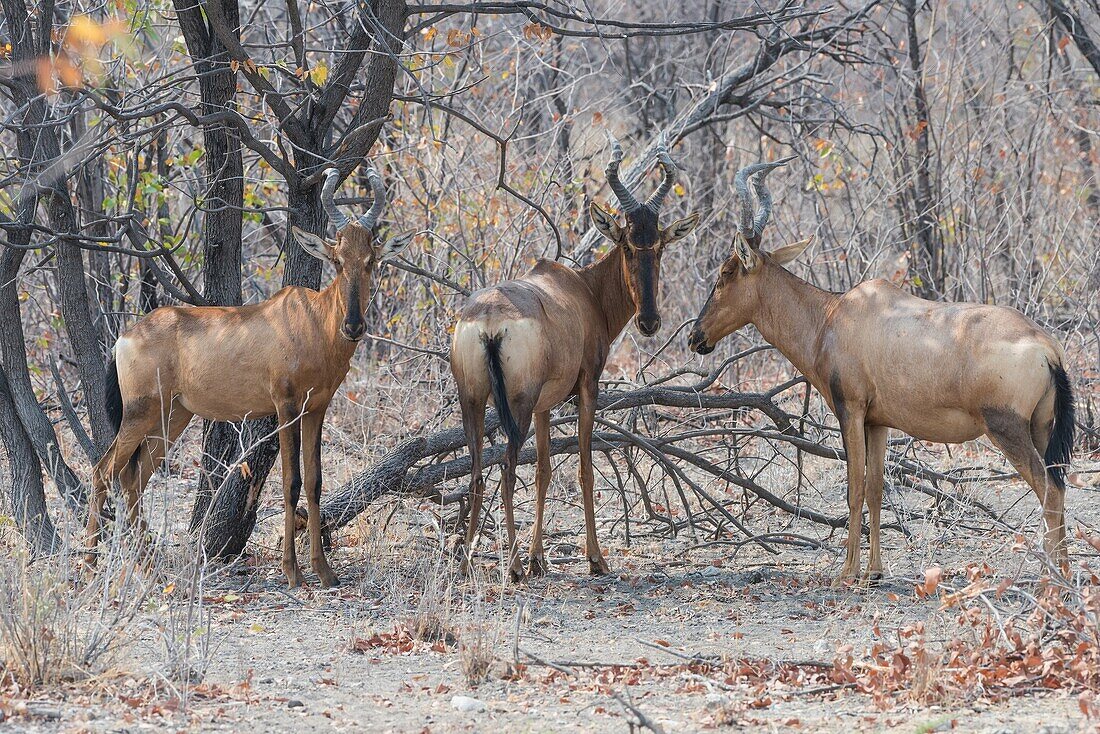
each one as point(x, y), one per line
point(522, 415)
point(138, 422)
point(586, 416)
point(473, 422)
point(876, 466)
point(137, 472)
point(852, 430)
point(311, 465)
point(537, 564)
point(1011, 433)
point(290, 439)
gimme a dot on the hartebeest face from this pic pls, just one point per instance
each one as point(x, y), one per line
point(641, 239)
point(356, 254)
point(736, 294)
point(642, 242)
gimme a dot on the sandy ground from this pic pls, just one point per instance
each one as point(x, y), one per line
point(556, 651)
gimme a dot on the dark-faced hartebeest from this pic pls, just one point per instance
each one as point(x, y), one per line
point(943, 372)
point(285, 357)
point(529, 344)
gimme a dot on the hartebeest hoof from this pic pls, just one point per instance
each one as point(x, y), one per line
point(294, 577)
point(538, 566)
point(845, 578)
point(328, 578)
point(874, 576)
point(598, 566)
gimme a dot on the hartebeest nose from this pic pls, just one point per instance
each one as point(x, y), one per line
point(354, 331)
point(649, 325)
point(697, 342)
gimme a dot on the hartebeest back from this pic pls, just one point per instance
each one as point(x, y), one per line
point(285, 357)
point(529, 344)
point(881, 358)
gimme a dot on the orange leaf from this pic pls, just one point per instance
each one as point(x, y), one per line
point(932, 578)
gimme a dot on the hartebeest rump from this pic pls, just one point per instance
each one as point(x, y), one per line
point(882, 358)
point(531, 343)
point(285, 357)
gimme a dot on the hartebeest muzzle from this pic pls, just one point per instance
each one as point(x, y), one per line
point(648, 325)
point(697, 341)
point(354, 326)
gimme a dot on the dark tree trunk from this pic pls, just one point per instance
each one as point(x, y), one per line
point(35, 424)
point(26, 496)
point(39, 147)
point(929, 256)
point(222, 219)
point(231, 491)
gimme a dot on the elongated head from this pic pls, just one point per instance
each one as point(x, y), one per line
point(738, 288)
point(640, 236)
point(356, 251)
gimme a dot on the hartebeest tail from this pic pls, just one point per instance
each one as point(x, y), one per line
point(1060, 449)
point(531, 343)
point(500, 389)
point(882, 359)
point(284, 357)
point(113, 398)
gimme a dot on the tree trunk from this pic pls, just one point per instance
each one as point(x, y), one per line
point(928, 256)
point(231, 492)
point(26, 496)
point(35, 424)
point(39, 147)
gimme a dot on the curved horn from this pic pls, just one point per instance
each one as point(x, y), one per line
point(764, 212)
point(627, 202)
point(654, 202)
point(368, 220)
point(748, 225)
point(337, 217)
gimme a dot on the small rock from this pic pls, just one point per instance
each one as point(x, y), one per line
point(467, 705)
point(715, 701)
point(295, 704)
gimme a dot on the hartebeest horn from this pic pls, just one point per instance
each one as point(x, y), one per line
point(328, 189)
point(626, 200)
point(654, 202)
point(750, 226)
point(368, 220)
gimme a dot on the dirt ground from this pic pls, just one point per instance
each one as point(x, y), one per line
point(400, 645)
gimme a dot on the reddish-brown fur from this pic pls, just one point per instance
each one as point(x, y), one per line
point(285, 357)
point(554, 328)
point(882, 358)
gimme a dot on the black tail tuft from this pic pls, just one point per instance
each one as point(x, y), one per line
point(1060, 448)
point(500, 394)
point(113, 397)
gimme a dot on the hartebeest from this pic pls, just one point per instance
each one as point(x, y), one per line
point(529, 344)
point(285, 357)
point(882, 358)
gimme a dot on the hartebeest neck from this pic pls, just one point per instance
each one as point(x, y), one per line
point(606, 278)
point(791, 316)
point(333, 303)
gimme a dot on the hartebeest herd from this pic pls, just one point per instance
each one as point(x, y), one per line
point(881, 359)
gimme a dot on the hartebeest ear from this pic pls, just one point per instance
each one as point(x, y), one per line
point(748, 257)
point(679, 229)
point(313, 244)
point(393, 247)
point(605, 223)
point(785, 254)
